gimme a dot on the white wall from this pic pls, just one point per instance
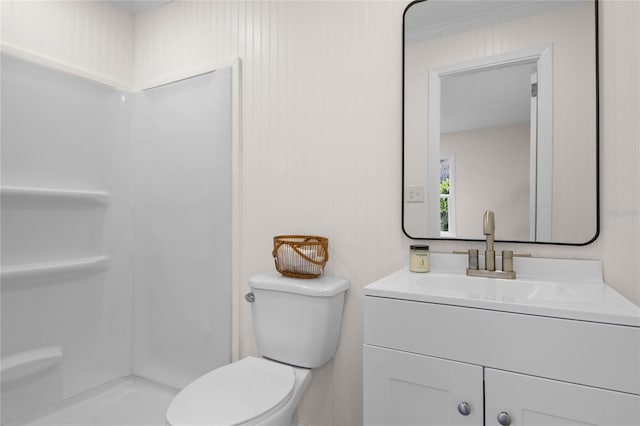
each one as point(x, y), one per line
point(88, 36)
point(321, 144)
point(322, 100)
point(505, 182)
point(619, 242)
point(322, 125)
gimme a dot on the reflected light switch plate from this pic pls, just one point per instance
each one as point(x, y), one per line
point(414, 194)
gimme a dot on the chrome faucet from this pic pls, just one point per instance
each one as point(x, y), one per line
point(489, 229)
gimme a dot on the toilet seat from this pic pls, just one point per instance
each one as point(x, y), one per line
point(245, 391)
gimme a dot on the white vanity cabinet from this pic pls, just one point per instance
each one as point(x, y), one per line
point(403, 388)
point(432, 358)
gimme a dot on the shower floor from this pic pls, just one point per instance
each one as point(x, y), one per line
point(130, 401)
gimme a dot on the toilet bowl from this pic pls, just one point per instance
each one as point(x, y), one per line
point(252, 391)
point(297, 327)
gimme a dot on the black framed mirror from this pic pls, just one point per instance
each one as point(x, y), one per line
point(500, 112)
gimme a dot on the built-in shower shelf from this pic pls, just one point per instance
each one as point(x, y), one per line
point(44, 268)
point(54, 194)
point(31, 362)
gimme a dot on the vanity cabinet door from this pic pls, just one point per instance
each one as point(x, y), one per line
point(402, 388)
point(532, 401)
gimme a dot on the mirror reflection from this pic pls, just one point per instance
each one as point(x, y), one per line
point(500, 113)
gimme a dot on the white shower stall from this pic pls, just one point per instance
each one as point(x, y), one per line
point(116, 243)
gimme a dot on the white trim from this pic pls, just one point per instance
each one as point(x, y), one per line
point(432, 195)
point(533, 160)
point(544, 184)
point(38, 59)
point(237, 236)
point(495, 61)
point(183, 75)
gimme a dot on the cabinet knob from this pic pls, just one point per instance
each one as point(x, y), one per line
point(504, 418)
point(464, 408)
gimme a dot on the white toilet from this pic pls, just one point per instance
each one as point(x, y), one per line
point(297, 326)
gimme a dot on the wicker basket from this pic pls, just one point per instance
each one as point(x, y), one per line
point(300, 256)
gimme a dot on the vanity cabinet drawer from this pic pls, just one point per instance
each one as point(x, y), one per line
point(588, 353)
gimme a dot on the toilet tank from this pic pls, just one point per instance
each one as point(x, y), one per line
point(297, 321)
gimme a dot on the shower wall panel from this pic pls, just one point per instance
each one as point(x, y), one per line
point(182, 228)
point(66, 236)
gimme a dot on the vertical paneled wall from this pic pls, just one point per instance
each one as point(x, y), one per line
point(88, 36)
point(321, 141)
point(619, 245)
point(321, 144)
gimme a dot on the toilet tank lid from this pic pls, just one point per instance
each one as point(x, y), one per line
point(323, 286)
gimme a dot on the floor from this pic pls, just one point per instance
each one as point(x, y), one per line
point(130, 401)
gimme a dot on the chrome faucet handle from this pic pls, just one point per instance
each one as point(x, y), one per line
point(473, 258)
point(507, 260)
point(519, 254)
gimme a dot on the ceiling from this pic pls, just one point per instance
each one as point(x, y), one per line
point(487, 98)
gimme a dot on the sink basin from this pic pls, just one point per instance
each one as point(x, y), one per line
point(560, 288)
point(518, 291)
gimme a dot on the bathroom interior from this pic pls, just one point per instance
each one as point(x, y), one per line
point(151, 150)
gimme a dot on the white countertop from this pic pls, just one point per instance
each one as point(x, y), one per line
point(560, 288)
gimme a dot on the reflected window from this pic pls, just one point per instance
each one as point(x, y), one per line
point(447, 199)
